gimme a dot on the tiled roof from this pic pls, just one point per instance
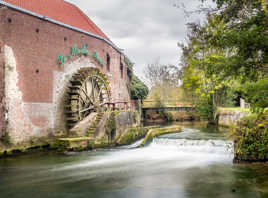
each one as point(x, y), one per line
point(60, 10)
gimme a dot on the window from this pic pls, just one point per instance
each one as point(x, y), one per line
point(121, 69)
point(108, 62)
point(129, 73)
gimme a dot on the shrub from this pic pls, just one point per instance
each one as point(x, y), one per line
point(250, 135)
point(5, 139)
point(257, 94)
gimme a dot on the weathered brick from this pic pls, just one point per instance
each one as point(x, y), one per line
point(36, 44)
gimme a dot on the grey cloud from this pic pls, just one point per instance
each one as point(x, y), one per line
point(145, 29)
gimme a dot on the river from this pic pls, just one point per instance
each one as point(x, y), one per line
point(194, 163)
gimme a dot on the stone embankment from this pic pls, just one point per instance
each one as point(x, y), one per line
point(230, 116)
point(112, 129)
point(98, 130)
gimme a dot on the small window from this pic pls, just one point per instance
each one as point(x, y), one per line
point(121, 69)
point(129, 73)
point(108, 62)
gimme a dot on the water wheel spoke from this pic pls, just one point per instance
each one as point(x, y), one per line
point(89, 108)
point(87, 97)
point(99, 95)
point(85, 85)
point(83, 90)
point(104, 103)
point(83, 100)
point(92, 85)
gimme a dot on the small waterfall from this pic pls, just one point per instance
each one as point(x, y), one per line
point(132, 146)
point(195, 146)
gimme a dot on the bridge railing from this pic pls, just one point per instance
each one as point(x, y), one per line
point(166, 103)
point(119, 105)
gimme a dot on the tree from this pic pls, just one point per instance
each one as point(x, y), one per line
point(138, 90)
point(159, 74)
point(244, 35)
point(256, 93)
point(227, 51)
point(163, 80)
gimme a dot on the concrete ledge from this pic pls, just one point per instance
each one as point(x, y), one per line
point(159, 131)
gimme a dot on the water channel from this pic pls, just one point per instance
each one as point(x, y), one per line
point(194, 163)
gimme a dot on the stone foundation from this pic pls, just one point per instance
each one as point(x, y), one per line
point(228, 117)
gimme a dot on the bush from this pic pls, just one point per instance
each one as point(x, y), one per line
point(167, 116)
point(5, 139)
point(138, 90)
point(206, 109)
point(250, 135)
point(110, 126)
point(257, 94)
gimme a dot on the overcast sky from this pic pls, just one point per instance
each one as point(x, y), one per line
point(145, 29)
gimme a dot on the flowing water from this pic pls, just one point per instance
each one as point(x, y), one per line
point(194, 163)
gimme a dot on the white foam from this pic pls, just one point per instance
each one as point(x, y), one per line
point(195, 146)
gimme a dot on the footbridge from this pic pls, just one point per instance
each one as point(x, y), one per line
point(169, 105)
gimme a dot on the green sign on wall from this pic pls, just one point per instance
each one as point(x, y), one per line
point(75, 52)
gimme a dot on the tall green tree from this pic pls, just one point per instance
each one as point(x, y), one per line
point(227, 51)
point(138, 89)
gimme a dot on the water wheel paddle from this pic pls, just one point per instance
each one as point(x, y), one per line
point(88, 92)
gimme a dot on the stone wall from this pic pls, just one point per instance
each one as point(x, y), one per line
point(2, 91)
point(111, 122)
point(34, 80)
point(125, 120)
point(227, 117)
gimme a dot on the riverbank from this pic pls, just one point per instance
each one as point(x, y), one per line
point(63, 144)
point(98, 130)
point(35, 145)
point(249, 132)
point(250, 135)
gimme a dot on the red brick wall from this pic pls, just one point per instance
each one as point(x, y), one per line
point(39, 51)
point(2, 91)
point(2, 81)
point(36, 44)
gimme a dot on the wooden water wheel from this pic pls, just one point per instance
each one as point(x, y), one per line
point(88, 92)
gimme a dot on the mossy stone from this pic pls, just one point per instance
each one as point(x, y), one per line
point(159, 131)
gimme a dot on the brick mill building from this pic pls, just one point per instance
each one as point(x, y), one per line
point(46, 47)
